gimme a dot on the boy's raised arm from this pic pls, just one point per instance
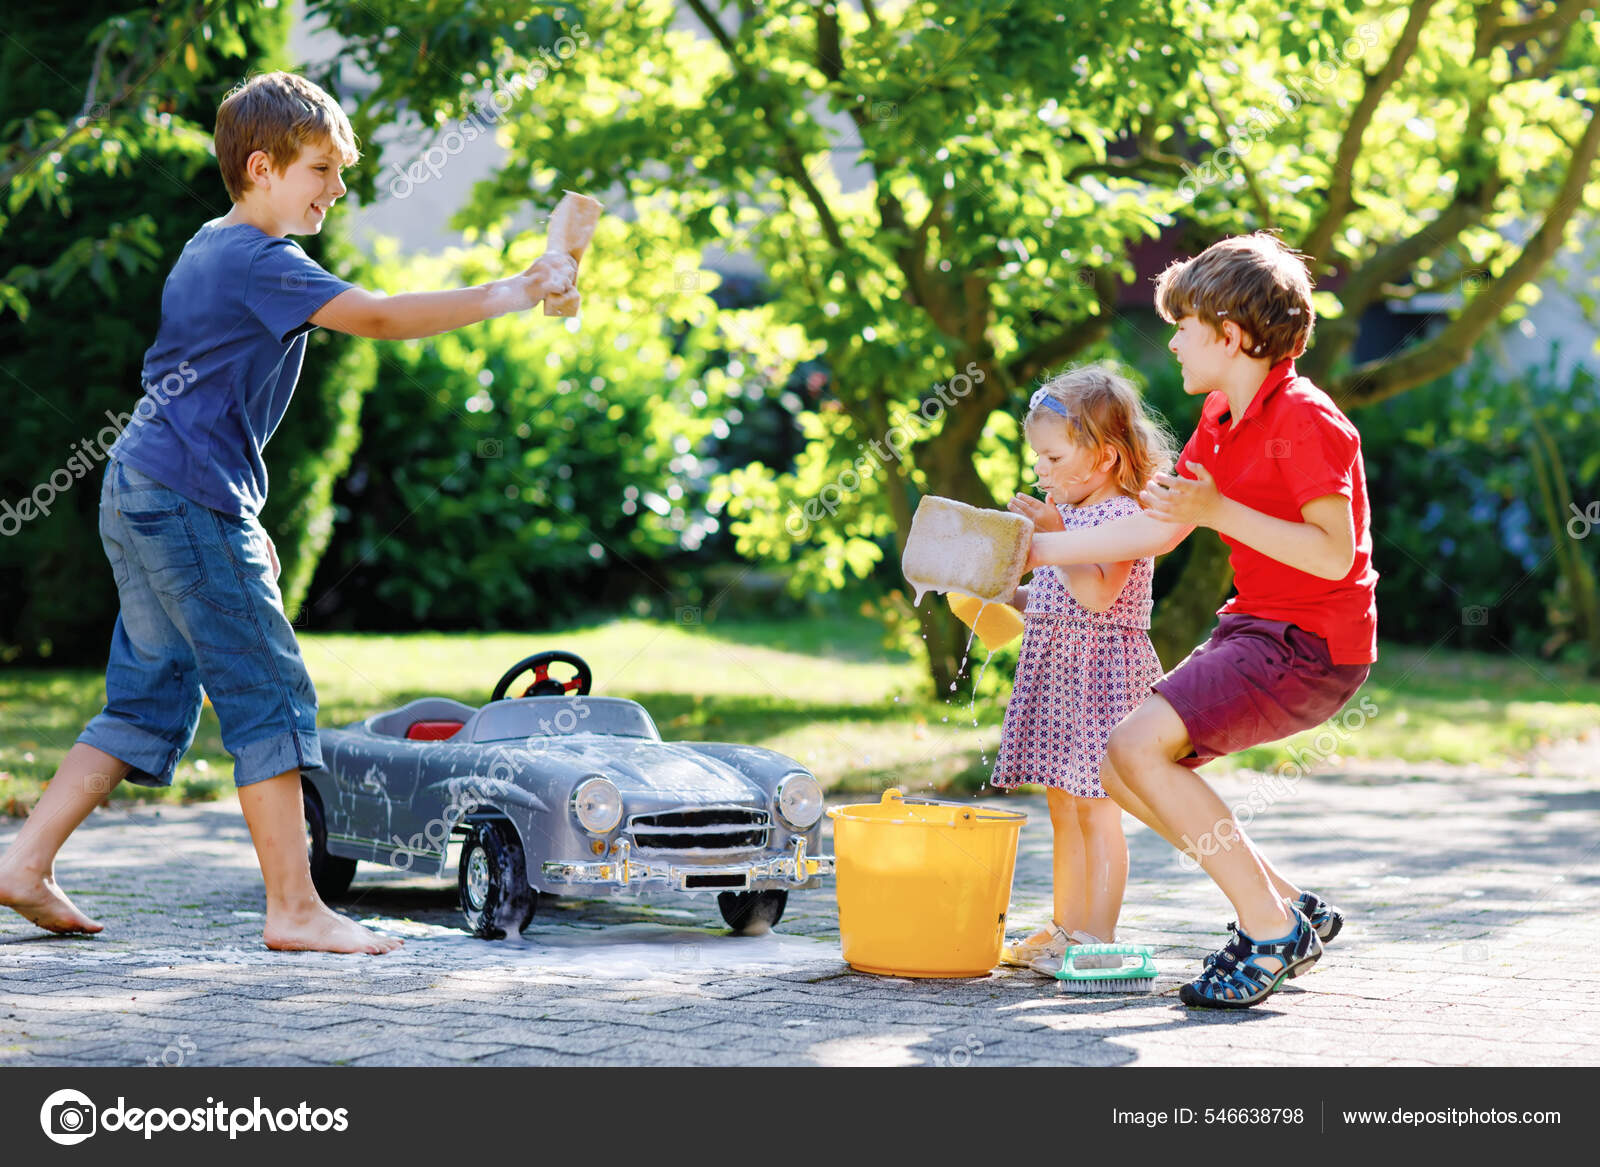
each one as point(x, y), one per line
point(416, 314)
point(1322, 543)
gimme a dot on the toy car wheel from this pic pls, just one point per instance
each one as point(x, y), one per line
point(744, 910)
point(330, 874)
point(495, 896)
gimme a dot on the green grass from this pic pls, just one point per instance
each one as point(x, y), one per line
point(823, 691)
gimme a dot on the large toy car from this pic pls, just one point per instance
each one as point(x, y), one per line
point(560, 792)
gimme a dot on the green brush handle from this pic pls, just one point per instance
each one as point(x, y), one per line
point(1145, 968)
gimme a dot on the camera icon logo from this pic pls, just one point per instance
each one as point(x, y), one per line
point(491, 448)
point(1278, 447)
point(68, 1117)
point(294, 281)
point(688, 281)
point(1475, 617)
point(688, 616)
point(885, 111)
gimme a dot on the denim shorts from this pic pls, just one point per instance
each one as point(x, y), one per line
point(199, 609)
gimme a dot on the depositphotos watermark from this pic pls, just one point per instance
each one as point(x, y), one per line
point(69, 1117)
point(177, 1053)
point(961, 1054)
point(1584, 521)
point(899, 438)
point(486, 114)
point(467, 794)
point(1279, 785)
point(90, 452)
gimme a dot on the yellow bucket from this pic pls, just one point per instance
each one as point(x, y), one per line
point(923, 886)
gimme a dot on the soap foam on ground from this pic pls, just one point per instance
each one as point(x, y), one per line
point(615, 951)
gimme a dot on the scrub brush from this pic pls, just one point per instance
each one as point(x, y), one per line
point(1136, 977)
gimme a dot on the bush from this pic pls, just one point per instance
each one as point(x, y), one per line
point(525, 470)
point(1463, 537)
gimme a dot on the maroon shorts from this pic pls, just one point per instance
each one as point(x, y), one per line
point(1255, 681)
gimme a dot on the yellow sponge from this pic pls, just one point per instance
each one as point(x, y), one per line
point(997, 624)
point(957, 548)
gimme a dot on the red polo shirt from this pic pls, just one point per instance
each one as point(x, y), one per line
point(1293, 445)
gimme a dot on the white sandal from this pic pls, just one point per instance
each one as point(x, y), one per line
point(1051, 964)
point(1024, 953)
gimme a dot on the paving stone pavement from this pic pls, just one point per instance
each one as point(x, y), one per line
point(1472, 899)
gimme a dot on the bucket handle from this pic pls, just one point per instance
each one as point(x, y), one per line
point(966, 814)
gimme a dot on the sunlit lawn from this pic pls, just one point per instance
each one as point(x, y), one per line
point(822, 691)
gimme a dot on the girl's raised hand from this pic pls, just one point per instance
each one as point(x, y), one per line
point(1043, 514)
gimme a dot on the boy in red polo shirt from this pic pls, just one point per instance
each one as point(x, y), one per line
point(1275, 469)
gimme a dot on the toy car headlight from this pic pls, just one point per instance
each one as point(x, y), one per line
point(799, 799)
point(597, 805)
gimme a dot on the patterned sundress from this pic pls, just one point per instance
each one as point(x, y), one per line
point(1079, 672)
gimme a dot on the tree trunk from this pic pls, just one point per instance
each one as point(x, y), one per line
point(945, 637)
point(1182, 617)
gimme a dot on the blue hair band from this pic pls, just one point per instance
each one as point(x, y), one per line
point(1044, 398)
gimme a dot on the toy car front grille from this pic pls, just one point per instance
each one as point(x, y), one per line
point(721, 828)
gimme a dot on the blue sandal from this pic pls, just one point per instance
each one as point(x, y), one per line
point(1233, 978)
point(1324, 917)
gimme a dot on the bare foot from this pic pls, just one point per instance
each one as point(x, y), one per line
point(40, 901)
point(320, 929)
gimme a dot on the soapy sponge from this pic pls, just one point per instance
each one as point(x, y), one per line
point(997, 625)
point(957, 548)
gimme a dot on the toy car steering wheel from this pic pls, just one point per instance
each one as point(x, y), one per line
point(544, 685)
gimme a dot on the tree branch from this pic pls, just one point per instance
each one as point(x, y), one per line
point(793, 162)
point(830, 56)
point(1376, 86)
point(121, 85)
point(1380, 379)
point(1366, 283)
point(1560, 18)
point(1470, 203)
point(81, 121)
point(1262, 207)
point(1142, 165)
point(714, 27)
point(795, 166)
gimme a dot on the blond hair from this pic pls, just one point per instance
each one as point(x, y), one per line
point(1252, 280)
point(277, 113)
point(1103, 410)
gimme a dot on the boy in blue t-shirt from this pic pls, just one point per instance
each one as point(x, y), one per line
point(196, 573)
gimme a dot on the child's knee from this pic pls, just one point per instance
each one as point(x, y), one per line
point(1111, 782)
point(1095, 813)
point(1122, 752)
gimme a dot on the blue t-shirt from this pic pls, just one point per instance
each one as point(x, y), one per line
point(217, 380)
